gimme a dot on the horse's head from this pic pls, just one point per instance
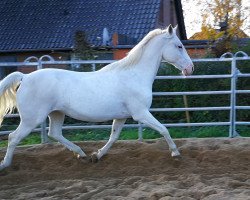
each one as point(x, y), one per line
point(175, 53)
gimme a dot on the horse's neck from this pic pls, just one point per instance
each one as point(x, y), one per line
point(149, 62)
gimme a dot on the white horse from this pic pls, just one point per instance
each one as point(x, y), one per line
point(118, 91)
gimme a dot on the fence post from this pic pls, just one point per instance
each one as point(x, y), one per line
point(232, 129)
point(93, 67)
point(140, 136)
point(44, 135)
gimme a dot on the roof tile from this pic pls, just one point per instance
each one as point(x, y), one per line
point(48, 24)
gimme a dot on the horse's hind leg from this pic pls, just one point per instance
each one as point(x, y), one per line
point(15, 137)
point(55, 131)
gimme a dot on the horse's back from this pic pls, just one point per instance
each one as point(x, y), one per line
point(44, 81)
point(87, 96)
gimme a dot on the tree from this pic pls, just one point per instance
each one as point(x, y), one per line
point(225, 15)
point(221, 17)
point(208, 32)
point(82, 49)
point(222, 23)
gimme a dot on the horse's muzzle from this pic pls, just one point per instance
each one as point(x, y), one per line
point(188, 70)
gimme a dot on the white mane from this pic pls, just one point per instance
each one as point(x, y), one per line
point(135, 54)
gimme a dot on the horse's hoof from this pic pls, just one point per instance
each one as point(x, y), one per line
point(178, 158)
point(175, 154)
point(94, 157)
point(84, 159)
point(2, 166)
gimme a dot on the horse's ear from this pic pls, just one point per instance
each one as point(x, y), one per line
point(175, 28)
point(170, 30)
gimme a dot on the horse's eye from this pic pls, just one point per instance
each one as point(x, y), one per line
point(180, 46)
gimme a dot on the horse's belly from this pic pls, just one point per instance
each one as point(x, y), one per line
point(97, 112)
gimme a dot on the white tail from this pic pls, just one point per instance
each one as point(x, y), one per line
point(8, 93)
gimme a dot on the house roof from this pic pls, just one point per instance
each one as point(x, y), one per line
point(51, 24)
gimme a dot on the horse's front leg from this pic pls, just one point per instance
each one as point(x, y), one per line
point(115, 132)
point(144, 116)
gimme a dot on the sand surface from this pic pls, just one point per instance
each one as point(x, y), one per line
point(209, 169)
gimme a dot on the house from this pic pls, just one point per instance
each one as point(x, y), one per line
point(199, 45)
point(35, 27)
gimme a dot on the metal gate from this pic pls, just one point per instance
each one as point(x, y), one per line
point(233, 92)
